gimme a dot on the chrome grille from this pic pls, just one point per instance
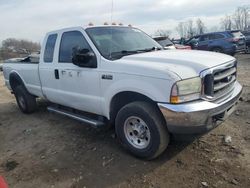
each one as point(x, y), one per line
point(218, 82)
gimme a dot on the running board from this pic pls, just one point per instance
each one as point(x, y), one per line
point(84, 119)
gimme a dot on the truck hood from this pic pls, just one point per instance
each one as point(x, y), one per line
point(184, 63)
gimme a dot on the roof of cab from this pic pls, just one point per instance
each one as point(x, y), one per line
point(83, 27)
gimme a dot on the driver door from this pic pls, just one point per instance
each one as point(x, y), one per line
point(78, 87)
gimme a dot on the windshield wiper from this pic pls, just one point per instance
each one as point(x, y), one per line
point(150, 49)
point(120, 54)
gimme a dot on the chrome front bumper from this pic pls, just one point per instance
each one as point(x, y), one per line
point(199, 116)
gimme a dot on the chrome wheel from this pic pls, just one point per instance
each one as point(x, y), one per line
point(137, 132)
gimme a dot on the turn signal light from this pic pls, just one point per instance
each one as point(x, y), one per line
point(174, 99)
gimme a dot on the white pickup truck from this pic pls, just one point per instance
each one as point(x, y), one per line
point(120, 76)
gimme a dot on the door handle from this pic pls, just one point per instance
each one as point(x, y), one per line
point(56, 74)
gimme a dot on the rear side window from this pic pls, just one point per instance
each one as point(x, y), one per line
point(204, 38)
point(49, 48)
point(216, 36)
point(71, 41)
point(237, 34)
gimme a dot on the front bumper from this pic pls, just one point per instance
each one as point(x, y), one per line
point(199, 116)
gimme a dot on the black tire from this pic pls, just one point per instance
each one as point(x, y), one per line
point(155, 123)
point(217, 49)
point(26, 102)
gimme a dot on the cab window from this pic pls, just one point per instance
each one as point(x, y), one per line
point(216, 36)
point(49, 48)
point(71, 41)
point(204, 38)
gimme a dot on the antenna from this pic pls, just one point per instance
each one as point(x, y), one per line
point(112, 7)
point(111, 20)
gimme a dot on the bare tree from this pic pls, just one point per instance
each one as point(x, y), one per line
point(190, 28)
point(181, 29)
point(186, 29)
point(200, 26)
point(241, 18)
point(214, 29)
point(163, 32)
point(226, 23)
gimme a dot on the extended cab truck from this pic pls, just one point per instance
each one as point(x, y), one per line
point(120, 76)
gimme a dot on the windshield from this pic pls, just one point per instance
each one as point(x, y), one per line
point(237, 34)
point(116, 42)
point(164, 42)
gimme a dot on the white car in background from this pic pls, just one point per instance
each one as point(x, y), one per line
point(167, 44)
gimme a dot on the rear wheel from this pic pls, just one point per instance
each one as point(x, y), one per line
point(25, 101)
point(142, 130)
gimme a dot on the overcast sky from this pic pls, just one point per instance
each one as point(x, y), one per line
point(31, 19)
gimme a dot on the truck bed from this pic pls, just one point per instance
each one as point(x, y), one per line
point(27, 68)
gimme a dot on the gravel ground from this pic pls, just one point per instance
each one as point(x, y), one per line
point(48, 150)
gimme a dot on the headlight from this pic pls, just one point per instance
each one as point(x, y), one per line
point(186, 90)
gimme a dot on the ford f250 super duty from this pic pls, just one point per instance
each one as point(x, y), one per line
point(117, 75)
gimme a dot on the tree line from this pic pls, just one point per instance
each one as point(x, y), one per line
point(13, 48)
point(239, 20)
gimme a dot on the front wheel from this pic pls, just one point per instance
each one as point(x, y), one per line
point(142, 130)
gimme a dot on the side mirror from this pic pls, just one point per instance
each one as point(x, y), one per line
point(84, 58)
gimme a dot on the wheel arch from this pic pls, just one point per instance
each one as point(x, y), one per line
point(15, 80)
point(124, 97)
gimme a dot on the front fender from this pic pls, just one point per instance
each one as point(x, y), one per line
point(153, 88)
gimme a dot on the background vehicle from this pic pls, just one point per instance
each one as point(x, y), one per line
point(247, 37)
point(228, 42)
point(120, 76)
point(169, 45)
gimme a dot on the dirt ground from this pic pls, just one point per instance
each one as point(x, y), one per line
point(48, 150)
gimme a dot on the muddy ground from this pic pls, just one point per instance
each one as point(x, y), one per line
point(48, 150)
